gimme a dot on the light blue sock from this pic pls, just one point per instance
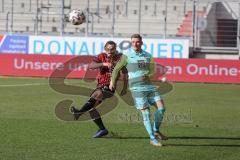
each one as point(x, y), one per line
point(158, 117)
point(147, 123)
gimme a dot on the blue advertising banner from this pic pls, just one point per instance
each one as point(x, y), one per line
point(14, 44)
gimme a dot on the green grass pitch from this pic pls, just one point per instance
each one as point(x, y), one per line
point(202, 122)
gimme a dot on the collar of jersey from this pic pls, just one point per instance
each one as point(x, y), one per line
point(137, 53)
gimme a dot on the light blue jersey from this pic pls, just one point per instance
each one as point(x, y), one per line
point(138, 66)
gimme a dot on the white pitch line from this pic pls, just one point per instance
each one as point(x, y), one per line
point(21, 85)
point(29, 84)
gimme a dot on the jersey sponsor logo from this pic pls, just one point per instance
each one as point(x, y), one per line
point(142, 64)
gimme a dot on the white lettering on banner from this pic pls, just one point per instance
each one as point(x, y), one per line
point(77, 67)
point(160, 48)
point(212, 70)
point(233, 72)
point(19, 41)
point(23, 64)
point(174, 70)
point(16, 46)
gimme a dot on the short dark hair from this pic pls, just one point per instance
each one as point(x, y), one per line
point(136, 36)
point(110, 43)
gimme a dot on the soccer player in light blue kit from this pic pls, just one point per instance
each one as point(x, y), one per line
point(140, 66)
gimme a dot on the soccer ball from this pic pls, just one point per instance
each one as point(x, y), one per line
point(76, 17)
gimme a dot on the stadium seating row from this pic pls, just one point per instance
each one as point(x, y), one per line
point(126, 16)
point(166, 18)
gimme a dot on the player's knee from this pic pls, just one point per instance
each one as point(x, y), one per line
point(161, 110)
point(160, 104)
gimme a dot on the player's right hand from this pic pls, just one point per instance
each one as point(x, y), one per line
point(111, 86)
point(107, 65)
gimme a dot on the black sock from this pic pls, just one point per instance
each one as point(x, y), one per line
point(87, 106)
point(99, 123)
point(97, 119)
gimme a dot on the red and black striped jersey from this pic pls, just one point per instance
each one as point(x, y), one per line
point(104, 75)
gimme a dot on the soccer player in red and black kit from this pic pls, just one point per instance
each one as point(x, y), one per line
point(106, 62)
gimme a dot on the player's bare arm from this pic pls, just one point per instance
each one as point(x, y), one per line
point(94, 65)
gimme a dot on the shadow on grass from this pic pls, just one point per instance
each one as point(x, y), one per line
point(116, 136)
point(204, 145)
point(222, 138)
point(113, 135)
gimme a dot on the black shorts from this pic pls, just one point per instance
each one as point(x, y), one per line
point(107, 93)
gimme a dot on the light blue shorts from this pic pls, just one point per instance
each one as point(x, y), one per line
point(145, 99)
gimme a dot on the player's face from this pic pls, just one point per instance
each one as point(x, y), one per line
point(136, 44)
point(110, 49)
